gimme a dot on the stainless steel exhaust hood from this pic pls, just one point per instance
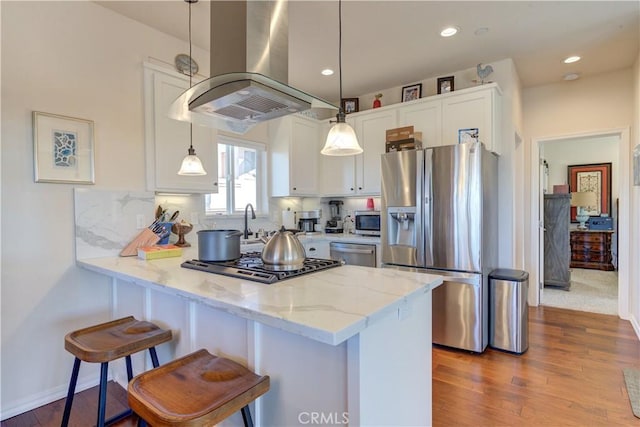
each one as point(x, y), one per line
point(250, 66)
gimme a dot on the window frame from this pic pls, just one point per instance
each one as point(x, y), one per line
point(261, 177)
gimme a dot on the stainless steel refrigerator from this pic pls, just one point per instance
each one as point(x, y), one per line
point(439, 215)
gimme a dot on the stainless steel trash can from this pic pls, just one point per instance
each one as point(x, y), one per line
point(508, 310)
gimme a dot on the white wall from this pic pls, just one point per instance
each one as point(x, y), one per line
point(76, 59)
point(634, 276)
point(589, 105)
point(582, 151)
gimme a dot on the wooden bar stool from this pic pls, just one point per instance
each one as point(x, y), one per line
point(196, 390)
point(106, 342)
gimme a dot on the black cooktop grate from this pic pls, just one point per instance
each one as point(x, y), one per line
point(250, 266)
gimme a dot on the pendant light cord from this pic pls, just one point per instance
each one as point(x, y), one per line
point(340, 47)
point(190, 81)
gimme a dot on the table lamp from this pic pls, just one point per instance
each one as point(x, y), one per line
point(582, 200)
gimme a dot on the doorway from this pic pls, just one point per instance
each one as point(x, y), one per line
point(591, 290)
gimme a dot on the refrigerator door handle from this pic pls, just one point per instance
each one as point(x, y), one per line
point(427, 214)
point(419, 228)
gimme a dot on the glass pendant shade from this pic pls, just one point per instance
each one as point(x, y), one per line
point(341, 141)
point(191, 165)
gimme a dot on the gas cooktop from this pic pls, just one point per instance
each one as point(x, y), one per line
point(250, 266)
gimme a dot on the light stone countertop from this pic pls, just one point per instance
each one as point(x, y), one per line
point(329, 306)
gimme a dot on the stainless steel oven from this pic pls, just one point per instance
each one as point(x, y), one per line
point(367, 223)
point(353, 253)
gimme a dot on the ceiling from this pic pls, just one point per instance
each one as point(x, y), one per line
point(394, 43)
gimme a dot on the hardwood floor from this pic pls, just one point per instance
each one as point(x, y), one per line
point(570, 376)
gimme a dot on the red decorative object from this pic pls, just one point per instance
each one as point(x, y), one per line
point(377, 103)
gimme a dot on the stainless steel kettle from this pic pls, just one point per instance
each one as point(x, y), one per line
point(283, 252)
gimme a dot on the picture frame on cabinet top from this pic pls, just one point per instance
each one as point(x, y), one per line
point(63, 149)
point(412, 92)
point(445, 84)
point(350, 105)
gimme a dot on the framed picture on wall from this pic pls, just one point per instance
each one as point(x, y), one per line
point(594, 178)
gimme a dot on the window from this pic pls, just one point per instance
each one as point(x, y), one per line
point(241, 177)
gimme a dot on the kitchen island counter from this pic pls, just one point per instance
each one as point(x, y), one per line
point(329, 306)
point(346, 345)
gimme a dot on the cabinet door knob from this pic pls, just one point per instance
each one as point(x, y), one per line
point(215, 184)
point(359, 188)
point(295, 188)
point(351, 189)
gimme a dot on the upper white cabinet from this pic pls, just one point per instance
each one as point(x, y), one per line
point(478, 108)
point(167, 140)
point(337, 172)
point(371, 128)
point(425, 116)
point(293, 152)
point(359, 175)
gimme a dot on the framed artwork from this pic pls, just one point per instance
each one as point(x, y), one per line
point(592, 177)
point(63, 149)
point(467, 135)
point(409, 93)
point(350, 105)
point(445, 84)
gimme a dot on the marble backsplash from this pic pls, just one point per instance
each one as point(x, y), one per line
point(107, 220)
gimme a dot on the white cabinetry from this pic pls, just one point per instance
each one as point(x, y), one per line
point(371, 128)
point(479, 108)
point(337, 172)
point(346, 176)
point(167, 140)
point(317, 249)
point(293, 151)
point(425, 116)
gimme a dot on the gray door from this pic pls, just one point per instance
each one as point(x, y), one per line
point(454, 216)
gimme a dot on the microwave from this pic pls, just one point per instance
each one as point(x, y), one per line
point(367, 222)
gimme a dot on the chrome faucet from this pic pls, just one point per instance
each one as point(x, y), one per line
point(253, 216)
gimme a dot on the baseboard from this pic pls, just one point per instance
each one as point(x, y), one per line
point(20, 406)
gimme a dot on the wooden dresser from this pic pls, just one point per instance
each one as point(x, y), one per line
point(591, 249)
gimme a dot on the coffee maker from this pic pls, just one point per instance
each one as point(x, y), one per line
point(307, 220)
point(334, 225)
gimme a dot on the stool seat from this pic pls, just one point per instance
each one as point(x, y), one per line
point(104, 343)
point(113, 340)
point(196, 390)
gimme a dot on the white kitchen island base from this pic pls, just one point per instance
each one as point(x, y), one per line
point(380, 376)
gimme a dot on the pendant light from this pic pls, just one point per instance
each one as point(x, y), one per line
point(341, 140)
point(191, 164)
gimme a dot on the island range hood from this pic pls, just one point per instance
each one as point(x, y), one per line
point(249, 68)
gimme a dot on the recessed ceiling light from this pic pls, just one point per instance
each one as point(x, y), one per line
point(327, 72)
point(571, 76)
point(449, 31)
point(572, 59)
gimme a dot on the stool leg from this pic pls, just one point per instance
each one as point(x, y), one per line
point(102, 402)
point(70, 393)
point(129, 368)
point(246, 416)
point(154, 357)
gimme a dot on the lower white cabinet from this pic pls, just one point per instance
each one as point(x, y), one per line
point(317, 249)
point(294, 156)
point(167, 140)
